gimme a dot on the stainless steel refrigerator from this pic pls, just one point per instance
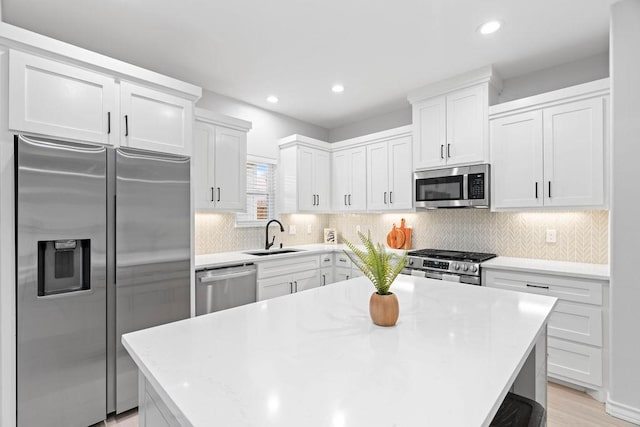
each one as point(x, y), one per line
point(103, 248)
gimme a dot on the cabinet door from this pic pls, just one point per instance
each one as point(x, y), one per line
point(306, 280)
point(429, 133)
point(516, 157)
point(466, 120)
point(322, 180)
point(230, 169)
point(340, 274)
point(400, 174)
point(274, 287)
point(54, 99)
point(326, 276)
point(202, 161)
point(574, 153)
point(306, 195)
point(153, 120)
point(341, 180)
point(357, 197)
point(377, 176)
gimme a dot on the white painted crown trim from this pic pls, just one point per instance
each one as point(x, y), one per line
point(304, 141)
point(622, 411)
point(485, 74)
point(207, 116)
point(373, 137)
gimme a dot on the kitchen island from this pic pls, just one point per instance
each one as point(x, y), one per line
point(316, 359)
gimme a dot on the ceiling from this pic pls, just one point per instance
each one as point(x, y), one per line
point(297, 49)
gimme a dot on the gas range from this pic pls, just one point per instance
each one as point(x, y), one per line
point(455, 266)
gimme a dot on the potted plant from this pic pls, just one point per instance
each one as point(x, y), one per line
point(381, 268)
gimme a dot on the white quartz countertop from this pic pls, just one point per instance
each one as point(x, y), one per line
point(314, 358)
point(562, 268)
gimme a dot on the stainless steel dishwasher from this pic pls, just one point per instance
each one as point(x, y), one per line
point(226, 287)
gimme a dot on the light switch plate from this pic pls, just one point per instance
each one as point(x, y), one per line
point(309, 228)
point(551, 236)
point(292, 229)
point(358, 228)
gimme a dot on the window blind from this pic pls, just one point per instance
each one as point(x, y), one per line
point(261, 191)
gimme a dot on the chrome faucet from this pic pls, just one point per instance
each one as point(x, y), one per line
point(267, 245)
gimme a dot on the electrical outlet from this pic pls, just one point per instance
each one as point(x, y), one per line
point(309, 229)
point(358, 228)
point(551, 236)
point(292, 229)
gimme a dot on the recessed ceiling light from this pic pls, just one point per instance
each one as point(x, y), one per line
point(272, 99)
point(338, 88)
point(490, 27)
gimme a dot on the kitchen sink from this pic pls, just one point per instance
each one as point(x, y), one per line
point(273, 252)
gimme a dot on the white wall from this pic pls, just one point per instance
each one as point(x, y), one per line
point(624, 391)
point(564, 75)
point(268, 126)
point(390, 120)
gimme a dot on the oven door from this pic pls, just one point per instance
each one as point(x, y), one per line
point(440, 191)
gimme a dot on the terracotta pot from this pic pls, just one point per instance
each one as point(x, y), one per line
point(384, 309)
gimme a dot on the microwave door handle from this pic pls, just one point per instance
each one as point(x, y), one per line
point(465, 187)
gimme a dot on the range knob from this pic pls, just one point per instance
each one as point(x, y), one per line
point(474, 268)
point(465, 267)
point(410, 262)
point(456, 266)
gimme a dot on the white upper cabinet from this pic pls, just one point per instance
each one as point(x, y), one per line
point(516, 153)
point(574, 153)
point(220, 162)
point(467, 125)
point(349, 179)
point(389, 175)
point(550, 150)
point(59, 100)
point(304, 175)
point(154, 120)
point(430, 133)
point(450, 120)
point(64, 100)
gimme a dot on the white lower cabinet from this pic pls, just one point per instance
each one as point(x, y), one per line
point(289, 275)
point(576, 332)
point(327, 276)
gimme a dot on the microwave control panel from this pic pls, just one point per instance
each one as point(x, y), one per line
point(476, 186)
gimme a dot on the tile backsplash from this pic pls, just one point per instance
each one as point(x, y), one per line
point(217, 232)
point(582, 236)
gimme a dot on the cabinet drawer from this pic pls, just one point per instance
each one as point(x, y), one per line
point(288, 265)
point(576, 322)
point(341, 260)
point(573, 361)
point(326, 260)
point(564, 288)
point(326, 276)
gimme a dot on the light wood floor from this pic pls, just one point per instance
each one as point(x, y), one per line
point(567, 407)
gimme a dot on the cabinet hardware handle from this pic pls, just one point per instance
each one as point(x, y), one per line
point(349, 199)
point(536, 189)
point(108, 122)
point(126, 125)
point(449, 150)
point(537, 286)
point(549, 189)
point(342, 260)
point(347, 277)
point(324, 280)
point(391, 197)
point(290, 287)
point(345, 200)
point(318, 196)
point(385, 197)
point(212, 190)
point(314, 199)
point(442, 151)
point(296, 284)
point(327, 259)
point(218, 193)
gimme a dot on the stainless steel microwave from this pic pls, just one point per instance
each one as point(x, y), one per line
point(461, 187)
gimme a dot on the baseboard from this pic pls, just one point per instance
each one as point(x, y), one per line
point(623, 412)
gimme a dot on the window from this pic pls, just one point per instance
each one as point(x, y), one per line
point(261, 194)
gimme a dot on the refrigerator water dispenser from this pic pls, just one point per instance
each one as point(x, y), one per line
point(63, 266)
